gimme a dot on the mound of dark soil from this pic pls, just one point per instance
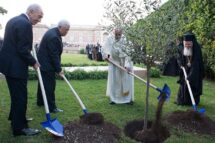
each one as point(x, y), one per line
point(191, 121)
point(156, 133)
point(92, 118)
point(78, 132)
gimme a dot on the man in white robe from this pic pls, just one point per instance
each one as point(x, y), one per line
point(120, 84)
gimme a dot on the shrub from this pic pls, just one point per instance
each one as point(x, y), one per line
point(76, 75)
point(82, 51)
point(83, 65)
point(154, 72)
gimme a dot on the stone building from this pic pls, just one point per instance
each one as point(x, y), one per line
point(38, 32)
point(77, 38)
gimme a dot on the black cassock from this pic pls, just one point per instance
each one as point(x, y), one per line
point(171, 67)
point(195, 74)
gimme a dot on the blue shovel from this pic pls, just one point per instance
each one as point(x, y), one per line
point(51, 125)
point(165, 90)
point(202, 110)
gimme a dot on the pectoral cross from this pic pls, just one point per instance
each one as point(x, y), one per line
point(189, 58)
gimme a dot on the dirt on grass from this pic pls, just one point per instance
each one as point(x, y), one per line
point(93, 129)
point(191, 121)
point(80, 132)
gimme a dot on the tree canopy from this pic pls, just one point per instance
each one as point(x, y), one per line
point(2, 10)
point(151, 34)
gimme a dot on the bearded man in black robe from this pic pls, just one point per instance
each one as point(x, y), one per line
point(191, 59)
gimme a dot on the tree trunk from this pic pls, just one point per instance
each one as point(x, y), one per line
point(147, 97)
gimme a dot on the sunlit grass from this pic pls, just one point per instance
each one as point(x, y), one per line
point(78, 59)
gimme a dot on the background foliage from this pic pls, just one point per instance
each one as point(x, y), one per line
point(151, 34)
point(178, 16)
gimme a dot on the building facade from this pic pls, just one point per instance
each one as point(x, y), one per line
point(77, 38)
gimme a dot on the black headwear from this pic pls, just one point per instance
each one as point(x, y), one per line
point(188, 36)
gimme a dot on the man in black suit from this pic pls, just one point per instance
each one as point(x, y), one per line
point(49, 56)
point(15, 58)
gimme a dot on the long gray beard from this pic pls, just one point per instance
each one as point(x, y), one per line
point(188, 51)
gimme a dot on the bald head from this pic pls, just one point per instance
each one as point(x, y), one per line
point(35, 13)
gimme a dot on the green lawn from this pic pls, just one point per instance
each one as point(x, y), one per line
point(78, 59)
point(92, 93)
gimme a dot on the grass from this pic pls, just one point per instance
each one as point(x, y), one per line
point(92, 93)
point(78, 59)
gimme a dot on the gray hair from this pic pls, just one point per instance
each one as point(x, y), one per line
point(33, 8)
point(63, 23)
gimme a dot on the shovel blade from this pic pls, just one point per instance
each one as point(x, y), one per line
point(166, 90)
point(201, 110)
point(54, 127)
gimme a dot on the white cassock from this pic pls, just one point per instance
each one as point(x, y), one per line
point(120, 85)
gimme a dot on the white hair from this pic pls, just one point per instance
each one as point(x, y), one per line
point(33, 7)
point(188, 51)
point(63, 23)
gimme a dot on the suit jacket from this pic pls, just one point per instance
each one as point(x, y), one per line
point(15, 54)
point(50, 50)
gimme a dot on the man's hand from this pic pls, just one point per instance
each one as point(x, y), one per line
point(128, 69)
point(36, 65)
point(61, 74)
point(107, 57)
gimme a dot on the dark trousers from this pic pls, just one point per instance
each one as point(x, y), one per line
point(18, 95)
point(49, 85)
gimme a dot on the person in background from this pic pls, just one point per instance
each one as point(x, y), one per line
point(180, 47)
point(179, 43)
point(120, 85)
point(170, 64)
point(99, 54)
point(49, 57)
point(95, 52)
point(87, 50)
point(191, 60)
point(15, 57)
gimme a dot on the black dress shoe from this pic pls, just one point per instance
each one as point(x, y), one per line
point(112, 103)
point(27, 132)
point(130, 103)
point(56, 110)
